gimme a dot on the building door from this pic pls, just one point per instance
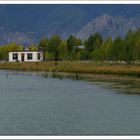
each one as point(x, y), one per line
point(22, 57)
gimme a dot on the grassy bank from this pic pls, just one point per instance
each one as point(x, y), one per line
point(76, 67)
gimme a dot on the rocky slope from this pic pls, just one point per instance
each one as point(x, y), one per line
point(109, 26)
point(26, 24)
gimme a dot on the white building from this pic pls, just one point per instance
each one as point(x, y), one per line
point(26, 56)
point(80, 47)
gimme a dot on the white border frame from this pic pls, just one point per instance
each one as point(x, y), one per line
point(116, 137)
point(70, 2)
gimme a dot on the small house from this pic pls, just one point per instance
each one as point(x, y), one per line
point(26, 56)
point(81, 47)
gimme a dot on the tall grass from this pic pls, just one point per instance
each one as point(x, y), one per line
point(75, 67)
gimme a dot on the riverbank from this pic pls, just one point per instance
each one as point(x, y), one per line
point(119, 77)
point(75, 67)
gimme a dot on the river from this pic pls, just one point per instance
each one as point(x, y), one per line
point(34, 104)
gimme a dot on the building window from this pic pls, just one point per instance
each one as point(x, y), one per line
point(29, 56)
point(15, 56)
point(38, 56)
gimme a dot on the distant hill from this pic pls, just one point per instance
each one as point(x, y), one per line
point(109, 26)
point(26, 24)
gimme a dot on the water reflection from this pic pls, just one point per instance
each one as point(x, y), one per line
point(7, 75)
point(62, 76)
point(125, 85)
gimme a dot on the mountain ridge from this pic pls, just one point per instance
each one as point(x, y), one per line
point(26, 24)
point(108, 25)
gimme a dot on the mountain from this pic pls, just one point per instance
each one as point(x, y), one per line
point(109, 26)
point(26, 24)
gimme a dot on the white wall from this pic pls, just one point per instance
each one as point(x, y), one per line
point(34, 56)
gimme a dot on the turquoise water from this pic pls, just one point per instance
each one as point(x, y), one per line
point(31, 104)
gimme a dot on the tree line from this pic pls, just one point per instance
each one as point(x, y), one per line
point(121, 49)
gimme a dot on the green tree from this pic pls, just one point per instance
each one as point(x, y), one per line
point(53, 46)
point(43, 46)
point(63, 50)
point(5, 49)
point(135, 41)
point(33, 48)
point(106, 50)
point(117, 49)
point(93, 43)
point(72, 42)
point(128, 49)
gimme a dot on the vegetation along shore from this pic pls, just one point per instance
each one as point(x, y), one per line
point(75, 67)
point(119, 56)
